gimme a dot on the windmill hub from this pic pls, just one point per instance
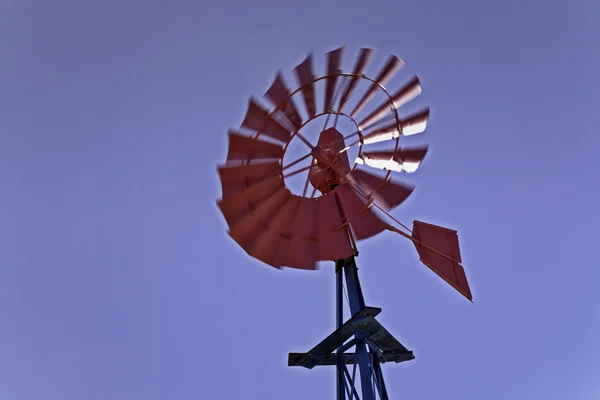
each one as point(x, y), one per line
point(330, 163)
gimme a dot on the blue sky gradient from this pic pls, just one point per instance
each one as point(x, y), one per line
point(118, 280)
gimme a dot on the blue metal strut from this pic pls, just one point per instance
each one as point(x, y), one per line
point(372, 342)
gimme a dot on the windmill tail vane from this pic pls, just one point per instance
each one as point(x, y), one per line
point(347, 201)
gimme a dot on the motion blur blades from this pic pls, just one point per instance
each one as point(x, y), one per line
point(401, 160)
point(334, 241)
point(386, 193)
point(245, 148)
point(279, 95)
point(259, 120)
point(301, 251)
point(334, 59)
point(359, 68)
point(445, 261)
point(406, 93)
point(392, 66)
point(236, 178)
point(411, 125)
point(363, 221)
point(248, 229)
point(235, 206)
point(272, 244)
point(305, 77)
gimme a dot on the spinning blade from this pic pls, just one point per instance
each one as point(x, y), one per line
point(386, 193)
point(246, 148)
point(305, 77)
point(334, 58)
point(412, 125)
point(361, 64)
point(401, 160)
point(279, 95)
point(392, 66)
point(259, 120)
point(408, 92)
point(364, 222)
point(237, 178)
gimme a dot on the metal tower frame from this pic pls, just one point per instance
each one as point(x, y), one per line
point(373, 344)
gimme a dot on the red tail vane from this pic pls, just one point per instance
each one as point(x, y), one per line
point(445, 241)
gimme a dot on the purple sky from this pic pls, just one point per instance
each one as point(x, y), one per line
point(118, 280)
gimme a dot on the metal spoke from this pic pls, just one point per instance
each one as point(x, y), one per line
point(296, 172)
point(306, 142)
point(296, 161)
point(307, 179)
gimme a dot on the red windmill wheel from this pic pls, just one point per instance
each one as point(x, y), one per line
point(286, 229)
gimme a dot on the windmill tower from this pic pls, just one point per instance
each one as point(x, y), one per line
point(348, 202)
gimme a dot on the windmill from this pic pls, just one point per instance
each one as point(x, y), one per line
point(348, 203)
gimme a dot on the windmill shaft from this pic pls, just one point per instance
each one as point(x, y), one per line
point(367, 364)
point(339, 300)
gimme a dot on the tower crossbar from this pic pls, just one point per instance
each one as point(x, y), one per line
point(373, 344)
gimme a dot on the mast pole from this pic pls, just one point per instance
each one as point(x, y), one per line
point(339, 294)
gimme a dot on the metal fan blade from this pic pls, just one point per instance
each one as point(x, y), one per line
point(284, 216)
point(247, 229)
point(237, 178)
point(444, 241)
point(392, 66)
point(242, 147)
point(387, 194)
point(359, 68)
point(266, 247)
point(363, 221)
point(300, 254)
point(334, 59)
point(411, 125)
point(305, 76)
point(271, 245)
point(236, 206)
point(250, 243)
point(277, 254)
point(333, 242)
point(408, 92)
point(259, 120)
point(304, 224)
point(415, 123)
point(279, 95)
point(401, 160)
point(301, 251)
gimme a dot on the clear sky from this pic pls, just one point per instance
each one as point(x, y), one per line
point(118, 280)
